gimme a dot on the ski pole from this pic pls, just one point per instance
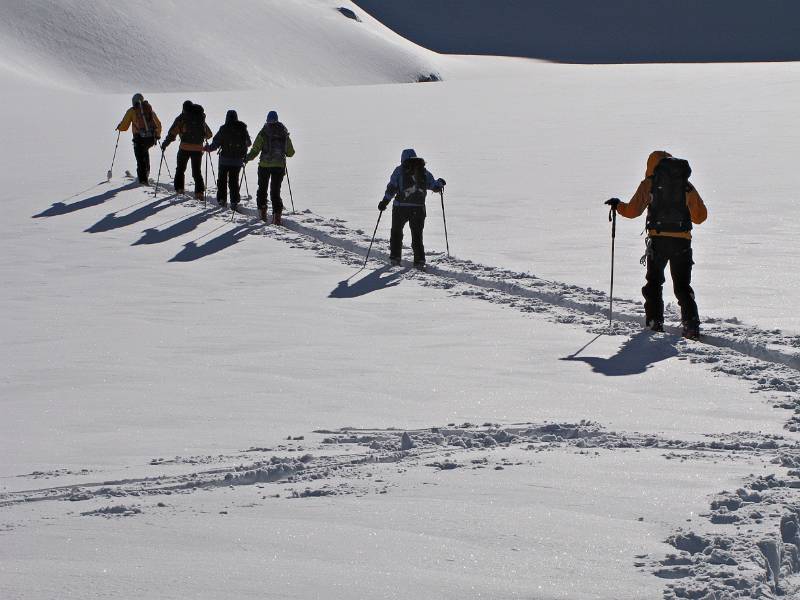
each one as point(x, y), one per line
point(114, 158)
point(246, 187)
point(612, 217)
point(289, 182)
point(166, 164)
point(374, 233)
point(205, 187)
point(444, 218)
point(158, 180)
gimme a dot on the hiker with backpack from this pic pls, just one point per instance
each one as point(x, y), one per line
point(146, 130)
point(673, 205)
point(409, 185)
point(233, 140)
point(274, 145)
point(191, 126)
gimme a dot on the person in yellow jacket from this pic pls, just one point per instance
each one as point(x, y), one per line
point(146, 130)
point(673, 205)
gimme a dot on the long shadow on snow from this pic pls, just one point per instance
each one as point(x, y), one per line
point(191, 251)
point(112, 221)
point(62, 208)
point(190, 223)
point(635, 356)
point(377, 280)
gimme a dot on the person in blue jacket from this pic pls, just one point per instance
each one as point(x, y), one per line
point(409, 185)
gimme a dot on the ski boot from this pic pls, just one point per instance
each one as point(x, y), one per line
point(691, 331)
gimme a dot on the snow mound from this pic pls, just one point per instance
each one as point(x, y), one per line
point(202, 45)
point(613, 31)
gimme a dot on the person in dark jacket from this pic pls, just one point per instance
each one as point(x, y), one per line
point(409, 185)
point(146, 130)
point(191, 126)
point(274, 144)
point(233, 140)
point(669, 239)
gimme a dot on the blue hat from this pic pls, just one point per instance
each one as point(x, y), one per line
point(407, 153)
point(272, 117)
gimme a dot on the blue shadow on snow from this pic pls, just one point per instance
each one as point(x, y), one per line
point(635, 356)
point(62, 208)
point(182, 227)
point(192, 251)
point(377, 280)
point(112, 221)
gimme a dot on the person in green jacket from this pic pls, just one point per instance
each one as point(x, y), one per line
point(274, 144)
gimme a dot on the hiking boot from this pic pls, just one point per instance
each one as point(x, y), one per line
point(395, 262)
point(419, 265)
point(262, 212)
point(234, 206)
point(179, 191)
point(198, 195)
point(276, 218)
point(655, 325)
point(691, 331)
point(223, 203)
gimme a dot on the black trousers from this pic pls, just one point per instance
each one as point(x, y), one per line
point(415, 217)
point(141, 150)
point(228, 179)
point(270, 178)
point(184, 156)
point(678, 253)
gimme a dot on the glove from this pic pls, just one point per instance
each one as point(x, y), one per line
point(613, 202)
point(383, 204)
point(438, 185)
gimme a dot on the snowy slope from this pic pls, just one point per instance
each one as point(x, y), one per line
point(196, 45)
point(194, 406)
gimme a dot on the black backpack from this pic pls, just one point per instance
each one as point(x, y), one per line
point(276, 138)
point(234, 140)
point(194, 125)
point(668, 210)
point(413, 183)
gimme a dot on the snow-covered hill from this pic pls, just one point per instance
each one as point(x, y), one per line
point(194, 404)
point(611, 31)
point(194, 45)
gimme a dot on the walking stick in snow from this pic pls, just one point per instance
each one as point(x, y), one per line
point(205, 187)
point(108, 175)
point(444, 217)
point(158, 180)
point(612, 217)
point(289, 183)
point(374, 233)
point(246, 187)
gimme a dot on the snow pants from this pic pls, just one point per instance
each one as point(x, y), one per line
point(415, 217)
point(678, 253)
point(141, 150)
point(270, 178)
point(184, 156)
point(228, 179)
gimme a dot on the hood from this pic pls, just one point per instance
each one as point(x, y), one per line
point(187, 106)
point(272, 117)
point(407, 153)
point(653, 160)
point(231, 117)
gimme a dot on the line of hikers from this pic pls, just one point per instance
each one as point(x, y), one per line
point(232, 140)
point(673, 204)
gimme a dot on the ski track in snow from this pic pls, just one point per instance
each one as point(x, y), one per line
point(723, 558)
point(768, 359)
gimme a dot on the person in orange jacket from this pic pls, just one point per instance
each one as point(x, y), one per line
point(191, 127)
point(673, 205)
point(146, 130)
